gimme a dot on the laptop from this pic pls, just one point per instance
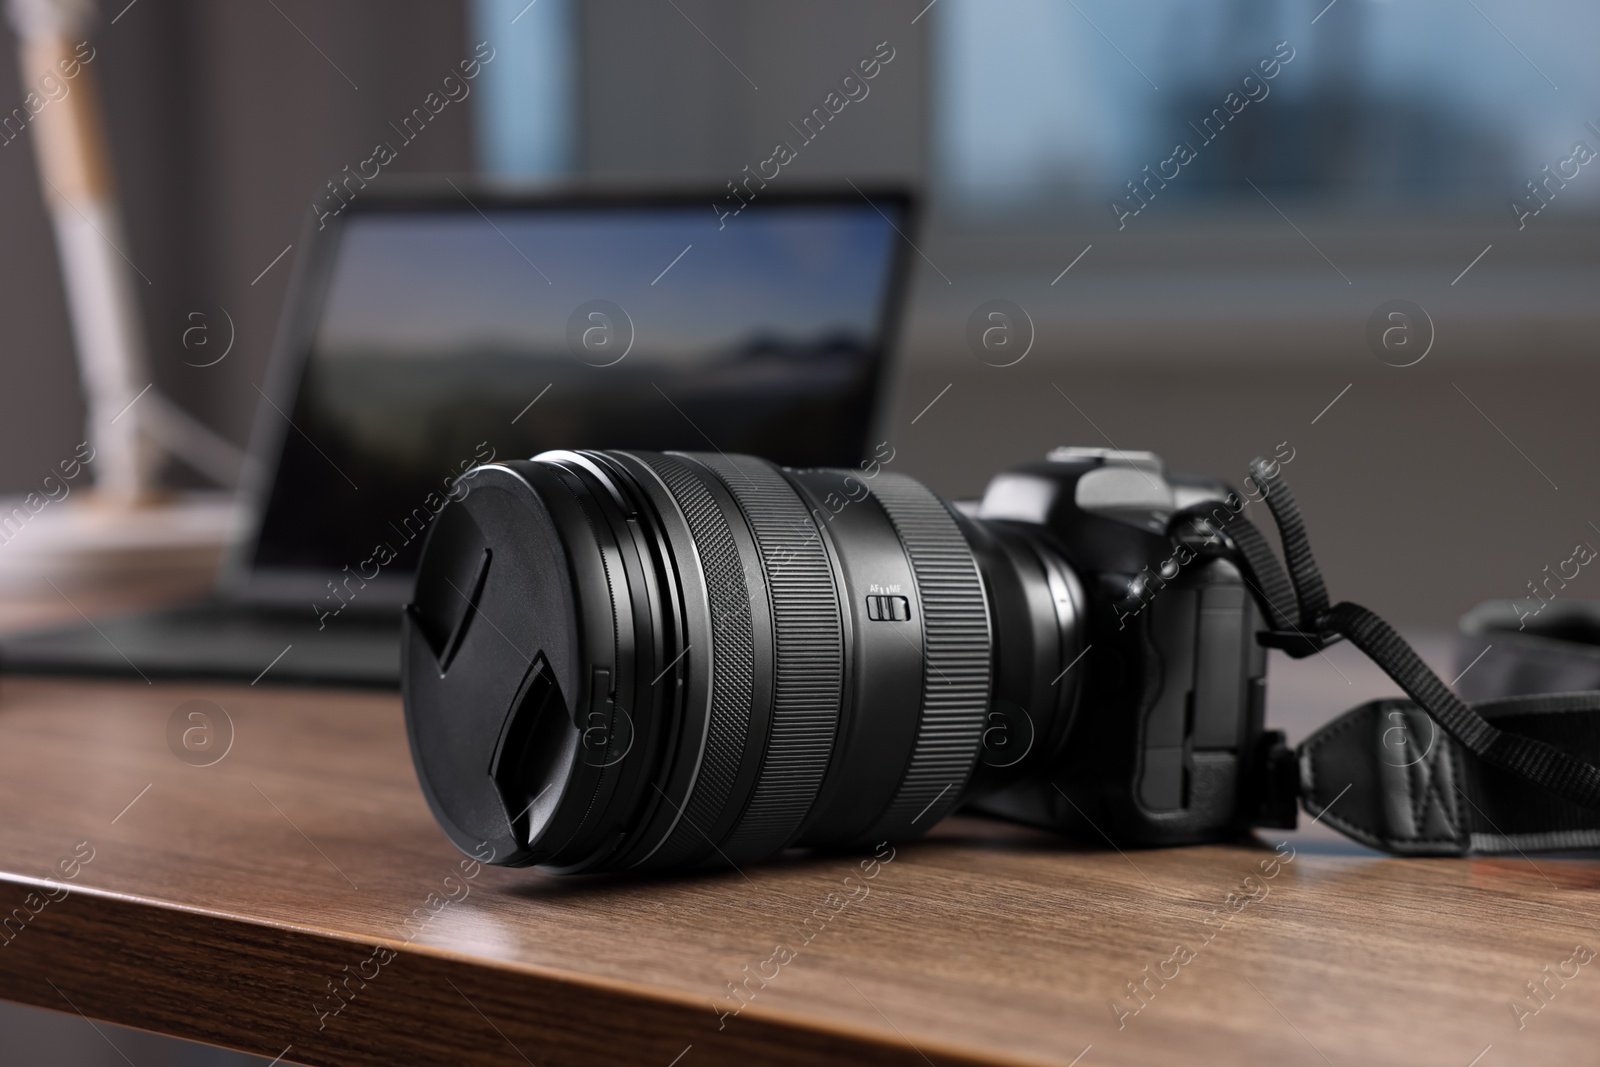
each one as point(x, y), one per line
point(444, 325)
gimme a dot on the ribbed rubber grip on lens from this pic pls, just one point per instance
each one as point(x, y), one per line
point(809, 656)
point(732, 660)
point(956, 650)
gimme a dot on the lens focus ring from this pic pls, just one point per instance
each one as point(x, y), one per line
point(809, 638)
point(956, 649)
point(732, 656)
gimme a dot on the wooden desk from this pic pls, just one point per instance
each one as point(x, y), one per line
point(222, 901)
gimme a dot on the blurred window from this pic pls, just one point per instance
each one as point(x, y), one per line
point(527, 113)
point(1387, 106)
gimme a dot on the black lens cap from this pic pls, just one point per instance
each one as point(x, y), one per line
point(490, 661)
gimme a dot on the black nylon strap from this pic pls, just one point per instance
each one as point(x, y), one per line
point(1536, 761)
point(1540, 765)
point(1309, 589)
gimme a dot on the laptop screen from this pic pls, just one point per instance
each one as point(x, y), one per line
point(462, 332)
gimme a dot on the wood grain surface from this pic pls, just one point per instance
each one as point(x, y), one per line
point(221, 904)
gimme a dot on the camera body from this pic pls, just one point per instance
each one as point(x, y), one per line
point(1160, 746)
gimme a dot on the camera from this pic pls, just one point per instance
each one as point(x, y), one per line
point(627, 660)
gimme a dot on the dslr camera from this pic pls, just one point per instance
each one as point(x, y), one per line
point(627, 660)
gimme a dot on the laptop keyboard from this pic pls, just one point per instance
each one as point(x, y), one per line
point(221, 641)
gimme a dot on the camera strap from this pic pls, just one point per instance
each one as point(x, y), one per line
point(1431, 775)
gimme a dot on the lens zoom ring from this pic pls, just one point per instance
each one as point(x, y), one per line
point(809, 635)
point(956, 645)
point(732, 660)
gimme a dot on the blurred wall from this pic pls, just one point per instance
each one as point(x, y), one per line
point(698, 89)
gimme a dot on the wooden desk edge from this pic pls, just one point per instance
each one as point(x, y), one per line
point(266, 988)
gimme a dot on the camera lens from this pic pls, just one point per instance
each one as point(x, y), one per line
point(635, 661)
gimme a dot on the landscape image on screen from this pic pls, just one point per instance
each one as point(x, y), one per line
point(448, 335)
